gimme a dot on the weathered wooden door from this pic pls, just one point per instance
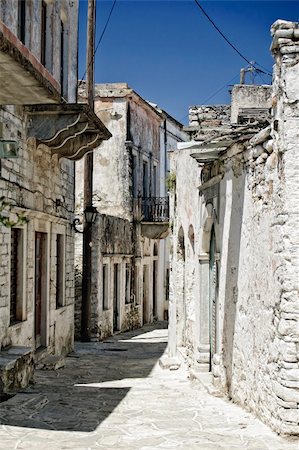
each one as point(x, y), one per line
point(213, 296)
point(40, 288)
point(116, 298)
point(145, 293)
point(155, 280)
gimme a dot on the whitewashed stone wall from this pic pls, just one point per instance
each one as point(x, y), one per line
point(255, 215)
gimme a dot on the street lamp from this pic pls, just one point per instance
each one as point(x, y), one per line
point(90, 215)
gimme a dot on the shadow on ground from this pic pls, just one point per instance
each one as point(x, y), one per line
point(95, 379)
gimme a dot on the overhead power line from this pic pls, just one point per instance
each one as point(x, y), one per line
point(215, 93)
point(228, 41)
point(101, 38)
point(220, 89)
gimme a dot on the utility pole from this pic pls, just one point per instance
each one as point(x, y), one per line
point(88, 183)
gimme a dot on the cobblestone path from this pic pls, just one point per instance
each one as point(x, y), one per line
point(114, 395)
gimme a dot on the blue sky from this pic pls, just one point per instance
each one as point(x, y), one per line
point(171, 55)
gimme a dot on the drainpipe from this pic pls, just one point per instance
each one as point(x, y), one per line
point(88, 182)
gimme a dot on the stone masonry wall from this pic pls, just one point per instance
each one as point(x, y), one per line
point(32, 184)
point(258, 288)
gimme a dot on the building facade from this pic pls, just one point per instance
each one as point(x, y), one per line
point(128, 245)
point(42, 130)
point(234, 266)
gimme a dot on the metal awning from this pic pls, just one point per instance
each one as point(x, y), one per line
point(23, 79)
point(69, 130)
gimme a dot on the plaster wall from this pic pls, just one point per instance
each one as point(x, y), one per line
point(184, 285)
point(249, 96)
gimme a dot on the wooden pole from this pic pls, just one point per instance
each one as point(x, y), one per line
point(88, 185)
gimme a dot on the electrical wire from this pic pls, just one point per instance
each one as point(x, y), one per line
point(228, 41)
point(100, 39)
point(213, 95)
point(219, 90)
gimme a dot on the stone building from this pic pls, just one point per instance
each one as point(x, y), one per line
point(42, 131)
point(234, 269)
point(129, 253)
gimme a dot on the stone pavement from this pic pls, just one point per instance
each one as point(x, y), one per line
point(114, 395)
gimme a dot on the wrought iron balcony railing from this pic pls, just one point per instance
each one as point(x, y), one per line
point(152, 209)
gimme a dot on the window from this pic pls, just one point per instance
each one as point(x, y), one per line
point(16, 275)
point(154, 188)
point(60, 272)
point(61, 54)
point(105, 291)
point(43, 33)
point(134, 180)
point(145, 179)
point(128, 283)
point(22, 20)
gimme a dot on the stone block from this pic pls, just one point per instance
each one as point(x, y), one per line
point(51, 362)
point(286, 394)
point(16, 368)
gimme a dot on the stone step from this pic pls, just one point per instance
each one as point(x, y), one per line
point(206, 380)
point(16, 368)
point(51, 362)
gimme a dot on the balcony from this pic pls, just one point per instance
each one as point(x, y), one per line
point(24, 80)
point(153, 214)
point(68, 130)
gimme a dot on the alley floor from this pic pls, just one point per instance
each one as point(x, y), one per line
point(114, 395)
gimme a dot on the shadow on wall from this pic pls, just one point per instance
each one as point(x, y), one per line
point(231, 284)
point(96, 378)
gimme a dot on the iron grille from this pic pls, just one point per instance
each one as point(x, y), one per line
point(152, 209)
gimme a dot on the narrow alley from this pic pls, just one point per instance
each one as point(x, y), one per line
point(114, 394)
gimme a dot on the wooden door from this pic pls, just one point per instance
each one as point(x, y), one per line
point(145, 294)
point(155, 279)
point(116, 298)
point(40, 289)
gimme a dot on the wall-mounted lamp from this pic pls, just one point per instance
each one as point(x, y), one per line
point(90, 214)
point(8, 149)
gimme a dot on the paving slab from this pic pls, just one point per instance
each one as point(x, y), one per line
point(115, 395)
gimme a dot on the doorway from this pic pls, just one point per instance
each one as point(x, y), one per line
point(213, 286)
point(145, 294)
point(40, 322)
point(155, 279)
point(116, 290)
